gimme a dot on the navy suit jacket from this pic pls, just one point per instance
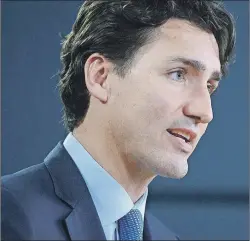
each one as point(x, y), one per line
point(50, 201)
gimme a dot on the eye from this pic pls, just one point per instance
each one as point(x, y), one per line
point(177, 75)
point(211, 88)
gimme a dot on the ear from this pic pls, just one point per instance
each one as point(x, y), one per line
point(96, 71)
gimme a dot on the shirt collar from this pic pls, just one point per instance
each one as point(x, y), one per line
point(111, 200)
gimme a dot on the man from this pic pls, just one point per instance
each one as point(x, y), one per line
point(136, 86)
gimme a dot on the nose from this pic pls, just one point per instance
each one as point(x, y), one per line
point(199, 107)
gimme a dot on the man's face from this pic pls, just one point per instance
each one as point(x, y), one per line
point(162, 107)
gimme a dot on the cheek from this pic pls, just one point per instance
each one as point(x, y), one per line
point(158, 109)
point(148, 105)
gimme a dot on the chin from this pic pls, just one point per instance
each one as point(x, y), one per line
point(175, 169)
point(177, 175)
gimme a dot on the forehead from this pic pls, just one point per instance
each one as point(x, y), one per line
point(180, 38)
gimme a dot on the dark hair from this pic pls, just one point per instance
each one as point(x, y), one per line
point(117, 30)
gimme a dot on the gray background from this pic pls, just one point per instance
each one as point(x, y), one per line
point(211, 202)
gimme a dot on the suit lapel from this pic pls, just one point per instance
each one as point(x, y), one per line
point(83, 222)
point(146, 229)
point(155, 230)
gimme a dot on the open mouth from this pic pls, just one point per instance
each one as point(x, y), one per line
point(185, 134)
point(186, 139)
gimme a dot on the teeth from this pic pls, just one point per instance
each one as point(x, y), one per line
point(187, 136)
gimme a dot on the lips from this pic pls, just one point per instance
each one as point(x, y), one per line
point(182, 139)
point(183, 133)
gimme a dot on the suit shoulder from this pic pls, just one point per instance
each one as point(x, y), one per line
point(14, 221)
point(34, 179)
point(18, 191)
point(24, 176)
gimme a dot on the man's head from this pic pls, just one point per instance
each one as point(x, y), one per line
point(145, 72)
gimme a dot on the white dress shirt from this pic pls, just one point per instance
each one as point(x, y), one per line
point(110, 199)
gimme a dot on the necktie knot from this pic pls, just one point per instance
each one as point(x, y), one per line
point(131, 226)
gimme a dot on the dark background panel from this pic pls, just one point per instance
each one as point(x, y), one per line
point(201, 221)
point(211, 202)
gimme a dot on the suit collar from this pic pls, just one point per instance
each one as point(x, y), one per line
point(83, 222)
point(68, 183)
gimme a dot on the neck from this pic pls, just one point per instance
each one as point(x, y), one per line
point(105, 151)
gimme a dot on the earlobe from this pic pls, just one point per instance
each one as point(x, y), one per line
point(96, 73)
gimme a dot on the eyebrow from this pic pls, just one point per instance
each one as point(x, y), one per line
point(199, 66)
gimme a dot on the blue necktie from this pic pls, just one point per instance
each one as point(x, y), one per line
point(131, 226)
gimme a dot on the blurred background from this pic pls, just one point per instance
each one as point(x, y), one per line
point(210, 203)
